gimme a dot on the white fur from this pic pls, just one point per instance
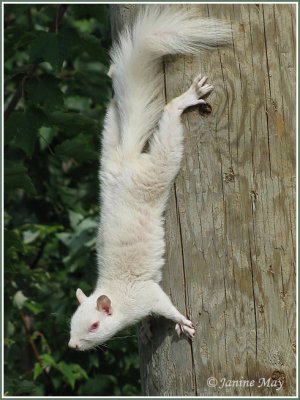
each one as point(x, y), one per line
point(135, 184)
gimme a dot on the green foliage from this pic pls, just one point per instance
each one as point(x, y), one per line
point(51, 200)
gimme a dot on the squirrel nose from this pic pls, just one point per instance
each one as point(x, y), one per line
point(73, 344)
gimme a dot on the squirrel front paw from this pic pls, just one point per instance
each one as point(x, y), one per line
point(186, 327)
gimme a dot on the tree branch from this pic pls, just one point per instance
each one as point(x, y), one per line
point(32, 344)
point(35, 350)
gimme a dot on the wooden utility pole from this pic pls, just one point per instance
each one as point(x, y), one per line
point(230, 223)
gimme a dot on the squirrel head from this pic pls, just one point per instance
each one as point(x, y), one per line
point(94, 321)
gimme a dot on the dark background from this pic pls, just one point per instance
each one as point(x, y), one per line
point(56, 90)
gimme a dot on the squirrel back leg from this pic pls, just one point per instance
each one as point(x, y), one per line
point(166, 145)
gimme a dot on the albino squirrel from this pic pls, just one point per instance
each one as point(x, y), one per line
point(135, 183)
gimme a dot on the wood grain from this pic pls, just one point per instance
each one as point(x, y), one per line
point(230, 222)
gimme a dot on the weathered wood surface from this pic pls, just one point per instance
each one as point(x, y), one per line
point(230, 223)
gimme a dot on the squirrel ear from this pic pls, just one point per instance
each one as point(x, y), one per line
point(104, 304)
point(80, 296)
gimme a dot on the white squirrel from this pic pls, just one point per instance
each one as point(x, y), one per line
point(135, 183)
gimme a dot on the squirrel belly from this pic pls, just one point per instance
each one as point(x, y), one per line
point(142, 147)
point(131, 236)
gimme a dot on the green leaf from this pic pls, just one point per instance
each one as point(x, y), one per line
point(94, 360)
point(78, 103)
point(68, 40)
point(32, 232)
point(8, 342)
point(54, 47)
point(65, 238)
point(46, 47)
point(48, 360)
point(80, 148)
point(33, 307)
point(46, 135)
point(75, 218)
point(72, 372)
point(87, 11)
point(45, 92)
point(66, 370)
point(12, 244)
point(93, 47)
point(22, 130)
point(95, 385)
point(87, 223)
point(21, 387)
point(15, 177)
point(12, 239)
point(30, 236)
point(37, 370)
point(17, 9)
point(75, 370)
point(73, 123)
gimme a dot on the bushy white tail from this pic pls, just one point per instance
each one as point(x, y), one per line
point(137, 71)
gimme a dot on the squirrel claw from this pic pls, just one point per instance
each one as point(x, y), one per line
point(187, 329)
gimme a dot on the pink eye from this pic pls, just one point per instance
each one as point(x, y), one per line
point(94, 327)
